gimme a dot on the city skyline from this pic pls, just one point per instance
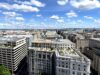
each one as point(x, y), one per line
point(50, 52)
point(34, 14)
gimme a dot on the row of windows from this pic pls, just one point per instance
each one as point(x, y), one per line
point(20, 42)
point(63, 59)
point(79, 67)
point(44, 56)
point(74, 66)
point(67, 72)
point(49, 45)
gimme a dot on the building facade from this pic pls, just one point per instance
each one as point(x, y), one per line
point(40, 61)
point(82, 44)
point(93, 53)
point(71, 62)
point(12, 51)
point(61, 43)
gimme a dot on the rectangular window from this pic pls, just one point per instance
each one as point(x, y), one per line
point(44, 56)
point(39, 55)
point(48, 56)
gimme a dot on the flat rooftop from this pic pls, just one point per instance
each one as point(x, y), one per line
point(52, 34)
point(11, 39)
point(8, 42)
point(59, 41)
point(41, 49)
point(19, 36)
point(4, 46)
point(66, 52)
point(97, 39)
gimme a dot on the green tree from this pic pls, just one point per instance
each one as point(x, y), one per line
point(42, 73)
point(4, 70)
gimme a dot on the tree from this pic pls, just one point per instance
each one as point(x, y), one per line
point(4, 70)
point(42, 73)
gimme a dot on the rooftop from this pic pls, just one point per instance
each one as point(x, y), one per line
point(8, 42)
point(67, 52)
point(41, 49)
point(19, 36)
point(51, 33)
point(56, 41)
point(11, 39)
point(97, 39)
point(5, 46)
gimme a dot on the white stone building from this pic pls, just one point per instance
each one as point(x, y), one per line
point(40, 61)
point(71, 62)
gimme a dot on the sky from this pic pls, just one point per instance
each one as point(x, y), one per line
point(34, 14)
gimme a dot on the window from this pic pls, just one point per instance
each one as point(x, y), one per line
point(44, 56)
point(67, 72)
point(62, 70)
point(78, 73)
point(48, 56)
point(79, 67)
point(59, 65)
point(39, 55)
point(73, 72)
point(62, 65)
point(66, 66)
point(84, 74)
point(73, 66)
point(84, 68)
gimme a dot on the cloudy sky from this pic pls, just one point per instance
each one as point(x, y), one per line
point(21, 14)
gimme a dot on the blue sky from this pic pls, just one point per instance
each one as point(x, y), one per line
point(27, 14)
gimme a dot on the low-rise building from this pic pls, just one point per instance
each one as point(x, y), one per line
point(53, 43)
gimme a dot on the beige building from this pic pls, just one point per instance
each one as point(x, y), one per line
point(81, 44)
point(93, 52)
point(96, 63)
point(61, 43)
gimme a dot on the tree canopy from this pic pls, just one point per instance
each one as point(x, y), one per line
point(4, 70)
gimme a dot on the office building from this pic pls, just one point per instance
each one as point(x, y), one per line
point(56, 57)
point(53, 43)
point(29, 37)
point(12, 51)
point(40, 61)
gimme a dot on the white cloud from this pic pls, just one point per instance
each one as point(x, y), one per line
point(60, 21)
point(37, 3)
point(97, 21)
point(85, 4)
point(71, 14)
point(54, 17)
point(20, 18)
point(25, 8)
point(62, 2)
point(5, 6)
point(18, 7)
point(10, 14)
point(79, 21)
point(88, 17)
point(4, 23)
point(31, 2)
point(39, 15)
point(57, 18)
